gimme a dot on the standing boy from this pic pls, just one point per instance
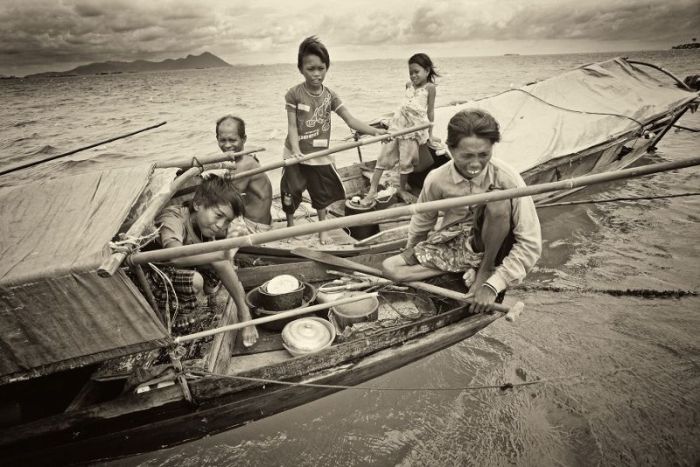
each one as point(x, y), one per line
point(309, 107)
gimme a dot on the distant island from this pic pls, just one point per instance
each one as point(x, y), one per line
point(205, 60)
point(689, 45)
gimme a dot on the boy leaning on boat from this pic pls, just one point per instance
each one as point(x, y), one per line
point(207, 217)
point(499, 241)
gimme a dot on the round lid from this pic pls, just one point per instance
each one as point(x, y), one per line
point(282, 284)
point(307, 334)
point(359, 206)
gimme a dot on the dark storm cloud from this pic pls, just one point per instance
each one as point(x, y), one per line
point(36, 32)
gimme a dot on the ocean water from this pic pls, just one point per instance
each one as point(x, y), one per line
point(619, 375)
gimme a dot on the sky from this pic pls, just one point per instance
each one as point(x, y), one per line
point(57, 35)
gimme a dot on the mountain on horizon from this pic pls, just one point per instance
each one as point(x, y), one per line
point(204, 60)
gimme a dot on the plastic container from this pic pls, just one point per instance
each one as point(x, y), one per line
point(356, 312)
point(324, 297)
point(307, 335)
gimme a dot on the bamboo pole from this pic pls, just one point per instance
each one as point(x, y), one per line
point(329, 151)
point(24, 165)
point(111, 264)
point(186, 162)
point(277, 317)
point(376, 216)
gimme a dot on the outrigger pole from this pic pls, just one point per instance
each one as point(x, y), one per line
point(187, 162)
point(24, 165)
point(329, 151)
point(195, 165)
point(373, 217)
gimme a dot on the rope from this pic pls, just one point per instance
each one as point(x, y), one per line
point(128, 244)
point(610, 200)
point(644, 293)
point(571, 379)
point(168, 285)
point(641, 125)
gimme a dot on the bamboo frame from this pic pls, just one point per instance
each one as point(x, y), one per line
point(373, 217)
point(186, 162)
point(111, 264)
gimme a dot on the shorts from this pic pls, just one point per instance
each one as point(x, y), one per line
point(322, 182)
point(182, 281)
point(401, 151)
point(457, 248)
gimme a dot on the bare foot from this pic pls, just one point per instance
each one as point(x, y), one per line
point(250, 336)
point(369, 198)
point(324, 238)
point(407, 196)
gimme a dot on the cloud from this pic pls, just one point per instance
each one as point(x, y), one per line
point(72, 31)
point(614, 20)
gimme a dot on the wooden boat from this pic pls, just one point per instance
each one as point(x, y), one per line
point(64, 399)
point(573, 124)
point(103, 422)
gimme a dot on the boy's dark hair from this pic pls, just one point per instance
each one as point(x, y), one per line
point(218, 190)
point(424, 61)
point(472, 122)
point(313, 46)
point(239, 121)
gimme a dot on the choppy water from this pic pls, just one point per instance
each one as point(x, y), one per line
point(631, 366)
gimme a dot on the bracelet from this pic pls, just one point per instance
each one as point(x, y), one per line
point(493, 289)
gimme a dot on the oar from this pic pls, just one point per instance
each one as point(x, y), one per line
point(329, 151)
point(24, 165)
point(276, 317)
point(345, 263)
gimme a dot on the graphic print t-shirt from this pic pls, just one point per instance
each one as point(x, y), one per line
point(313, 119)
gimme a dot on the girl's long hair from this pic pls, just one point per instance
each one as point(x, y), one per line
point(424, 61)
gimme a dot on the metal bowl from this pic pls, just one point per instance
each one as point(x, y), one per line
point(253, 300)
point(281, 302)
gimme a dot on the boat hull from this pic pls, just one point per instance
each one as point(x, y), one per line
point(221, 403)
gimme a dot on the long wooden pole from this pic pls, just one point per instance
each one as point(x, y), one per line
point(325, 258)
point(376, 216)
point(111, 264)
point(24, 165)
point(329, 151)
point(186, 162)
point(276, 317)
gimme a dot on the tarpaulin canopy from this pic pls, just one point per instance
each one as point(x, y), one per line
point(573, 111)
point(55, 312)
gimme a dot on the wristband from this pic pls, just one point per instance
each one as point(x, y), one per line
point(487, 285)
